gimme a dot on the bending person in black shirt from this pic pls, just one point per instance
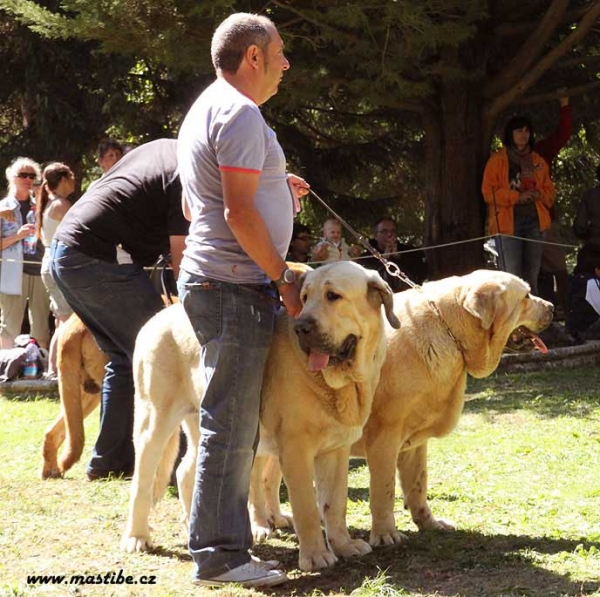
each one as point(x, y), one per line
point(137, 205)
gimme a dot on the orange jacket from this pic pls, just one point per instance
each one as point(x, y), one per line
point(501, 198)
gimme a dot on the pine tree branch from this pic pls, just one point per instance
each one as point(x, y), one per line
point(498, 104)
point(523, 28)
point(529, 52)
point(578, 61)
point(316, 22)
point(554, 95)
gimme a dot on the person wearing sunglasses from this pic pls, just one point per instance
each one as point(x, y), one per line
point(20, 280)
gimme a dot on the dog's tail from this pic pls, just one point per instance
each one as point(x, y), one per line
point(71, 379)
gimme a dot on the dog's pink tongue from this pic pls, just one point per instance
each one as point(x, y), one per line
point(538, 343)
point(317, 360)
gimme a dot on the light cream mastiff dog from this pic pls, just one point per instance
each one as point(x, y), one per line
point(319, 382)
point(450, 328)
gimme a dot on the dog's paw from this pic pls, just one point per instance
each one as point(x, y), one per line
point(393, 537)
point(261, 532)
point(315, 560)
point(51, 472)
point(436, 524)
point(282, 521)
point(132, 544)
point(352, 548)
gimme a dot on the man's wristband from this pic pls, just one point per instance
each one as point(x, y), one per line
point(287, 277)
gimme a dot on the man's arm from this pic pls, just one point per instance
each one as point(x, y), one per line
point(177, 245)
point(185, 207)
point(249, 229)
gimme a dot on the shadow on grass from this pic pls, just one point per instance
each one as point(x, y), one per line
point(551, 393)
point(32, 395)
point(446, 564)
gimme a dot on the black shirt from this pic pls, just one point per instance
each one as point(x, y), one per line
point(137, 205)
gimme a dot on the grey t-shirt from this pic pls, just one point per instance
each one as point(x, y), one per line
point(225, 130)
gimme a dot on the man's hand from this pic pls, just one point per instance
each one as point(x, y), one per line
point(290, 295)
point(390, 246)
point(355, 251)
point(298, 186)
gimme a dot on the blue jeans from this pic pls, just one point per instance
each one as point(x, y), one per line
point(234, 324)
point(114, 301)
point(523, 258)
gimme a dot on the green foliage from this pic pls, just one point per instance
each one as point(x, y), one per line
point(389, 106)
point(519, 477)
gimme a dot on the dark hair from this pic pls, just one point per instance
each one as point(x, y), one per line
point(384, 219)
point(234, 36)
point(300, 229)
point(598, 172)
point(108, 144)
point(51, 177)
point(517, 122)
point(588, 259)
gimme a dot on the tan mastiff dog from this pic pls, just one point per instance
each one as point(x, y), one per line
point(453, 327)
point(320, 378)
point(449, 328)
point(80, 364)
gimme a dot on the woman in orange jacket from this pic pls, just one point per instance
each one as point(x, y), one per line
point(519, 193)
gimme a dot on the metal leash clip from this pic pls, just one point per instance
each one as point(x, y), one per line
point(390, 267)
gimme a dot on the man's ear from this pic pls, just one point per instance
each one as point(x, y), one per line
point(252, 55)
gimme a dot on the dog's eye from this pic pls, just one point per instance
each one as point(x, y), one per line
point(332, 296)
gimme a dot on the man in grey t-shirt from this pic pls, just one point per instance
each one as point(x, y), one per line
point(240, 202)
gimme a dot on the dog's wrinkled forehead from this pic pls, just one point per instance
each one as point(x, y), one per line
point(342, 276)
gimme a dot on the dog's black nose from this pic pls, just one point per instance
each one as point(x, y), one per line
point(305, 326)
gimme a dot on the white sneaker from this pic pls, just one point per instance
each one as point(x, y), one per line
point(268, 564)
point(252, 574)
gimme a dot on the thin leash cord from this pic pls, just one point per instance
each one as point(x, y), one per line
point(163, 280)
point(390, 267)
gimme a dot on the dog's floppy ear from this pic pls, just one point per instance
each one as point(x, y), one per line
point(300, 269)
point(379, 292)
point(482, 301)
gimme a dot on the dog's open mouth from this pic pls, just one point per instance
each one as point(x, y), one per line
point(524, 340)
point(319, 360)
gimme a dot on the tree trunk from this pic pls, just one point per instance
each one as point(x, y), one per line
point(455, 210)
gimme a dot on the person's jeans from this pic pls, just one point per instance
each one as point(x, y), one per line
point(523, 258)
point(114, 301)
point(234, 324)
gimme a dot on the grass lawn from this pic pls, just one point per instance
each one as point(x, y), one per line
point(520, 477)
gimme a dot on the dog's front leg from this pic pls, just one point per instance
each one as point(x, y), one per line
point(332, 496)
point(297, 464)
point(412, 470)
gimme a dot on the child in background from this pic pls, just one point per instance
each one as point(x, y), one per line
point(333, 247)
